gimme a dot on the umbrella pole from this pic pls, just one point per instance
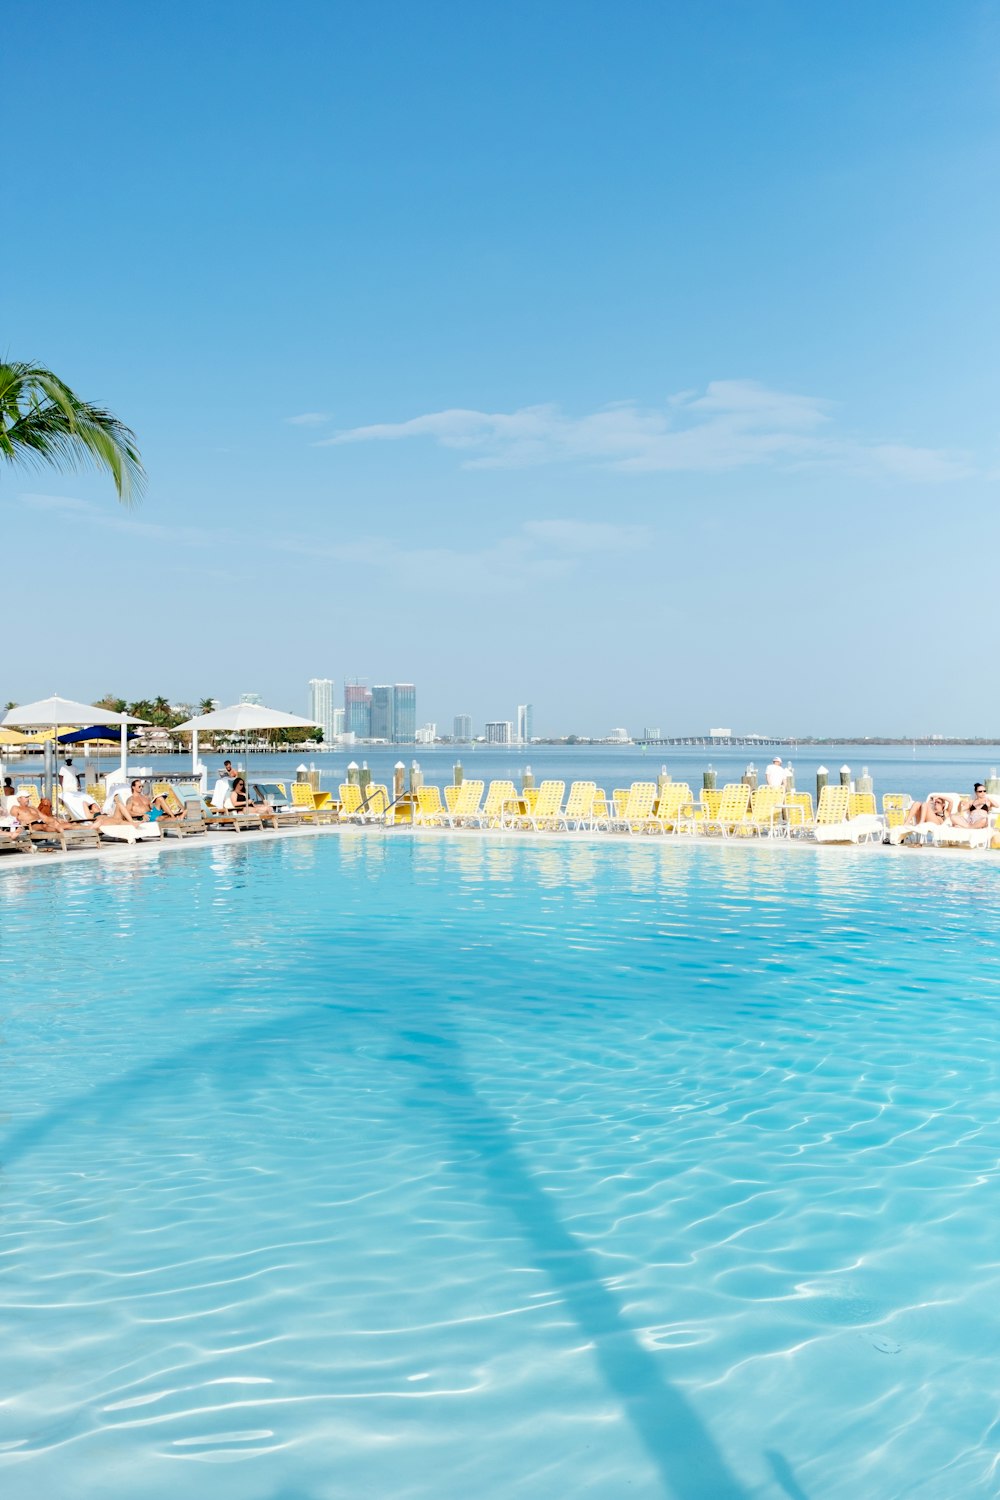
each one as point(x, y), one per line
point(124, 751)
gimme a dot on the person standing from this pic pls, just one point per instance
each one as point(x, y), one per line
point(69, 781)
point(776, 774)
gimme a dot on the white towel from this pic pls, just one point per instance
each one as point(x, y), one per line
point(222, 789)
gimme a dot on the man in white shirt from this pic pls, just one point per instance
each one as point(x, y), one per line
point(68, 779)
point(776, 775)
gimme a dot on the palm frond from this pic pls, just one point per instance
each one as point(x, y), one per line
point(43, 422)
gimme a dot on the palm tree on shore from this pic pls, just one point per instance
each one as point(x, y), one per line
point(43, 422)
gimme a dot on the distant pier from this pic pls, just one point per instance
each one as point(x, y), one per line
point(714, 741)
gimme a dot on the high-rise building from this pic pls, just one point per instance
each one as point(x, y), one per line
point(357, 710)
point(651, 734)
point(525, 723)
point(253, 699)
point(382, 712)
point(463, 727)
point(404, 713)
point(500, 732)
point(338, 723)
point(321, 706)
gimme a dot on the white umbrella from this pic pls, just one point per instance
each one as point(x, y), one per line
point(236, 719)
point(51, 712)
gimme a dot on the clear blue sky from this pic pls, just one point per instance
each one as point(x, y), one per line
point(638, 360)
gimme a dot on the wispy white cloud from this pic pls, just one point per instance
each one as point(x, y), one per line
point(537, 553)
point(732, 424)
point(309, 419)
point(84, 512)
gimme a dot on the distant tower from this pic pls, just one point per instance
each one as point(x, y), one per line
point(321, 706)
point(383, 718)
point(404, 713)
point(525, 723)
point(500, 732)
point(463, 727)
point(253, 699)
point(357, 709)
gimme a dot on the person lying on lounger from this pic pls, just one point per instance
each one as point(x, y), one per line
point(147, 809)
point(934, 810)
point(239, 800)
point(974, 811)
point(40, 817)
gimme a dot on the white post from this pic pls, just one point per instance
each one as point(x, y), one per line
point(124, 751)
point(194, 752)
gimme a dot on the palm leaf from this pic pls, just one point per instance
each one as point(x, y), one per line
point(43, 422)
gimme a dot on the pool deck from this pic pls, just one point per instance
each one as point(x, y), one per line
point(112, 853)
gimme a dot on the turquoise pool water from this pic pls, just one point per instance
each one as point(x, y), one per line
point(421, 1169)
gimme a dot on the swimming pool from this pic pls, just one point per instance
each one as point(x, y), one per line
point(384, 1166)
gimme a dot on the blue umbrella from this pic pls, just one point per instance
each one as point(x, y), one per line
point(96, 732)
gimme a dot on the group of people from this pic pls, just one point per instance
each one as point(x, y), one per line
point(135, 805)
point(971, 812)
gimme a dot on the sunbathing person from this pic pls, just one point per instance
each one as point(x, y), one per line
point(239, 800)
point(147, 809)
point(40, 817)
point(934, 810)
point(974, 811)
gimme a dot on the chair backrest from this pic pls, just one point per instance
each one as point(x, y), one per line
point(580, 802)
point(193, 811)
point(350, 798)
point(896, 801)
point(641, 796)
point(620, 796)
point(451, 794)
point(302, 795)
point(675, 795)
point(861, 805)
point(798, 809)
point(765, 802)
point(735, 801)
point(470, 794)
point(833, 803)
point(428, 800)
point(711, 801)
point(29, 790)
point(548, 803)
point(529, 796)
point(601, 809)
point(499, 793)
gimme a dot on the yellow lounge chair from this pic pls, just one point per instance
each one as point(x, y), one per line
point(466, 804)
point(547, 811)
point(429, 809)
point(692, 819)
point(451, 794)
point(638, 808)
point(734, 810)
point(491, 814)
point(304, 802)
point(767, 807)
point(579, 811)
point(831, 824)
point(676, 796)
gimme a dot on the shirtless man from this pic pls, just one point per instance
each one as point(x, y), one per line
point(29, 816)
point(974, 811)
point(147, 809)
